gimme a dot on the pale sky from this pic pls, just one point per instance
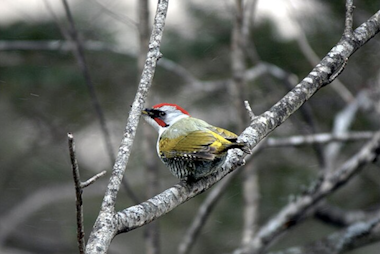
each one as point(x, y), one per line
point(281, 11)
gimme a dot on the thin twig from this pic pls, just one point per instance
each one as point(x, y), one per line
point(78, 194)
point(92, 179)
point(249, 110)
point(79, 190)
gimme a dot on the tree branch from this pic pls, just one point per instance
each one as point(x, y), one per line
point(321, 138)
point(78, 194)
point(354, 236)
point(105, 227)
point(93, 179)
point(78, 191)
point(342, 218)
point(295, 211)
point(139, 215)
point(313, 59)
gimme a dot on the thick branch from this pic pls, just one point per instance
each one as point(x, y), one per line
point(259, 128)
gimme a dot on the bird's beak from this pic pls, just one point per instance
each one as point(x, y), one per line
point(147, 112)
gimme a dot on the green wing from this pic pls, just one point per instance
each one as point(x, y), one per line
point(196, 145)
point(224, 133)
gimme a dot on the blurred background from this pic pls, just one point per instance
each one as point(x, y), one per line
point(43, 96)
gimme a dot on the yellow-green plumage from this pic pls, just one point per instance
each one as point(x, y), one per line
point(193, 148)
point(189, 147)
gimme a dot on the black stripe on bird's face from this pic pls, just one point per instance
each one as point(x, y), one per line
point(156, 115)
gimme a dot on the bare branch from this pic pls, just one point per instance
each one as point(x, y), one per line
point(355, 236)
point(313, 59)
point(93, 179)
point(249, 110)
point(137, 216)
point(78, 191)
point(295, 211)
point(78, 194)
point(105, 227)
point(320, 138)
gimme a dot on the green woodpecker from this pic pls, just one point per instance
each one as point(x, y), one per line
point(189, 147)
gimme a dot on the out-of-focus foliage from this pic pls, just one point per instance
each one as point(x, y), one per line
point(43, 96)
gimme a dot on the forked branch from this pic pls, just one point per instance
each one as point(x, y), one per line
point(79, 186)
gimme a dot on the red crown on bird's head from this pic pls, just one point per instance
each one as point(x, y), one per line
point(173, 105)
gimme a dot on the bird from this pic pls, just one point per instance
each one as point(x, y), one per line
point(190, 147)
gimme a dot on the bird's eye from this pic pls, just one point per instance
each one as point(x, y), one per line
point(162, 113)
